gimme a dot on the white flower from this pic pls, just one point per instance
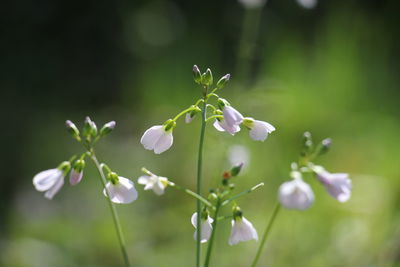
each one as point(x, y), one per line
point(252, 3)
point(296, 194)
point(338, 185)
point(154, 182)
point(232, 117)
point(188, 118)
point(206, 227)
point(50, 181)
point(242, 230)
point(223, 127)
point(157, 138)
point(122, 192)
point(259, 130)
point(75, 177)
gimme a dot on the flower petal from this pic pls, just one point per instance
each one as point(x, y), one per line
point(151, 136)
point(44, 180)
point(55, 188)
point(164, 142)
point(122, 193)
point(143, 179)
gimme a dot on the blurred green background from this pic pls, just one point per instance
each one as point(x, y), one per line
point(332, 70)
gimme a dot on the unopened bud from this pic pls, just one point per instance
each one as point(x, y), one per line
point(196, 74)
point(324, 146)
point(107, 128)
point(207, 78)
point(89, 129)
point(72, 129)
point(77, 172)
point(236, 169)
point(223, 81)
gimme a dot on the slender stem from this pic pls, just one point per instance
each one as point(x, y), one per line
point(265, 235)
point(193, 194)
point(214, 117)
point(113, 210)
point(214, 229)
point(242, 193)
point(199, 180)
point(184, 112)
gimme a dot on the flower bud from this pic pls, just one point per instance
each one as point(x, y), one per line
point(89, 129)
point(196, 74)
point(236, 169)
point(207, 78)
point(223, 81)
point(77, 172)
point(72, 129)
point(107, 128)
point(324, 146)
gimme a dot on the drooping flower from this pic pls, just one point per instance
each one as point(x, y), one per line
point(338, 185)
point(158, 138)
point(232, 117)
point(222, 126)
point(51, 181)
point(259, 130)
point(206, 227)
point(188, 118)
point(120, 190)
point(242, 230)
point(296, 194)
point(153, 182)
point(77, 172)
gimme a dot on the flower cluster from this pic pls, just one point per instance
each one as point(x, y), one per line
point(297, 194)
point(159, 138)
point(242, 229)
point(117, 188)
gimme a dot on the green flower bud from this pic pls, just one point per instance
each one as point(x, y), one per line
point(236, 169)
point(223, 81)
point(72, 129)
point(324, 146)
point(196, 74)
point(107, 128)
point(207, 78)
point(89, 129)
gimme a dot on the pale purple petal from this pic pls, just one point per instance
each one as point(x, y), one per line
point(151, 136)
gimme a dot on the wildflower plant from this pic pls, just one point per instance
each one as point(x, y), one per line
point(116, 189)
point(210, 108)
point(296, 194)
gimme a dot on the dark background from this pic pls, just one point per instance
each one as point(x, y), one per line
point(332, 70)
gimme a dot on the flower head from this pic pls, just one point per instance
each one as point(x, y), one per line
point(296, 194)
point(232, 117)
point(51, 180)
point(206, 227)
point(153, 182)
point(188, 118)
point(120, 190)
point(242, 230)
point(77, 172)
point(158, 138)
point(338, 185)
point(259, 130)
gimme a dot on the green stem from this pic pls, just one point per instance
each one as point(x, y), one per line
point(214, 117)
point(193, 194)
point(265, 235)
point(242, 193)
point(184, 112)
point(113, 210)
point(199, 181)
point(214, 229)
